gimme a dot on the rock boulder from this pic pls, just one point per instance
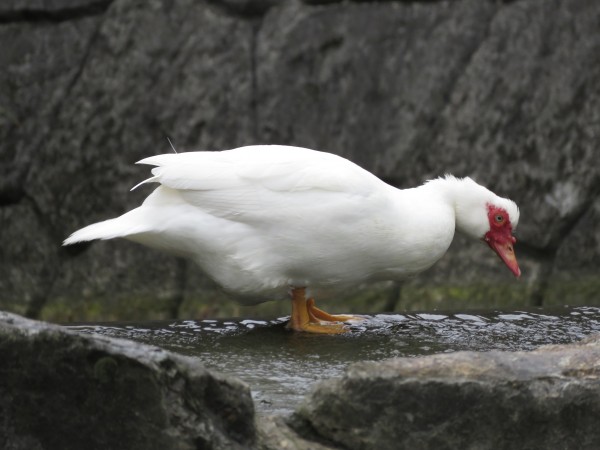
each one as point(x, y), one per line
point(60, 390)
point(545, 399)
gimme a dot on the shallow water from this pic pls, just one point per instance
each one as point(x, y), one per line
point(281, 366)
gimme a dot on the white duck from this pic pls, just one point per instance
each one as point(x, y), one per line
point(264, 219)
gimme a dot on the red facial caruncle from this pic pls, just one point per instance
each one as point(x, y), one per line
point(500, 237)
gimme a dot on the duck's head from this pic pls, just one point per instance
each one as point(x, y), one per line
point(499, 235)
point(483, 215)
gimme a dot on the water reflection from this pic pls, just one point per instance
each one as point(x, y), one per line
point(281, 366)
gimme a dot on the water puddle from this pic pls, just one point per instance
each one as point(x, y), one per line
point(281, 366)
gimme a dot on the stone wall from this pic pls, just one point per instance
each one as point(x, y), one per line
point(505, 92)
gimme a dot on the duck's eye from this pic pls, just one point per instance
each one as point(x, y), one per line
point(499, 218)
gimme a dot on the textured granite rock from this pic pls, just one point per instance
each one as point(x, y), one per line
point(505, 92)
point(62, 390)
point(76, 118)
point(547, 398)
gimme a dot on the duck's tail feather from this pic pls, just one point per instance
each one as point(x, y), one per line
point(123, 226)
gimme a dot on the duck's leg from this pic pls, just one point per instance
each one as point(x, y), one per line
point(304, 319)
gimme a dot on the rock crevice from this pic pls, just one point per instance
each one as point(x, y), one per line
point(51, 12)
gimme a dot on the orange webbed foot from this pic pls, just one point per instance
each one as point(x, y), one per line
point(319, 314)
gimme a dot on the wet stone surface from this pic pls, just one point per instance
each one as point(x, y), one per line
point(281, 367)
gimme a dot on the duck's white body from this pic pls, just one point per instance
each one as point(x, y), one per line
point(262, 219)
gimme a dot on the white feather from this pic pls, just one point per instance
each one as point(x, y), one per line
point(133, 222)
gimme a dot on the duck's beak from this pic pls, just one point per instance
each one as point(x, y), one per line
point(504, 249)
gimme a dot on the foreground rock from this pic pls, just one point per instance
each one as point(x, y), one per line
point(545, 399)
point(60, 390)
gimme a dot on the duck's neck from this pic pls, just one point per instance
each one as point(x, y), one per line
point(466, 198)
point(414, 231)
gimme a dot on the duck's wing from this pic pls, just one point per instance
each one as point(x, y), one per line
point(274, 167)
point(246, 181)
